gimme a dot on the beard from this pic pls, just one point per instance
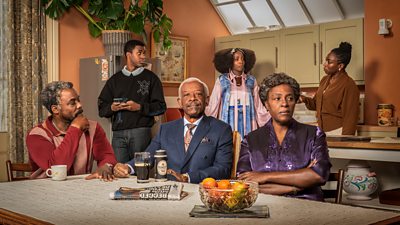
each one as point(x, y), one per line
point(69, 120)
point(194, 110)
point(196, 115)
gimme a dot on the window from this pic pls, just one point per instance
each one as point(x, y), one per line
point(240, 16)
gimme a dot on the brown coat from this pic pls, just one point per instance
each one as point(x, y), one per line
point(337, 105)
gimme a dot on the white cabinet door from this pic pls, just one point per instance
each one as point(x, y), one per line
point(236, 41)
point(331, 34)
point(266, 47)
point(299, 54)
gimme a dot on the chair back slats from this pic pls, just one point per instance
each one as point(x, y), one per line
point(18, 168)
point(237, 139)
point(337, 194)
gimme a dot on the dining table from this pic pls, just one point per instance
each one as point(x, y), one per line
point(80, 201)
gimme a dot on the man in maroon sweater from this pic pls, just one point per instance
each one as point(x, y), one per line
point(67, 137)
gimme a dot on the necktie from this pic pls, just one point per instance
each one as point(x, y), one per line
point(189, 135)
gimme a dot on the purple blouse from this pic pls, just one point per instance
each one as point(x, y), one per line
point(260, 151)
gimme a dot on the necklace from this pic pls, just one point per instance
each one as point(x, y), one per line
point(52, 121)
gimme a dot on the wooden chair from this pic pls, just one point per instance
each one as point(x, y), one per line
point(237, 139)
point(17, 167)
point(335, 193)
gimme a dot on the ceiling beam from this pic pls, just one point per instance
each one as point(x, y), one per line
point(306, 12)
point(276, 14)
point(253, 24)
point(228, 3)
point(339, 8)
point(222, 17)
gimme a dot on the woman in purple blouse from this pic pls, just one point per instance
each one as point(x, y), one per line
point(285, 157)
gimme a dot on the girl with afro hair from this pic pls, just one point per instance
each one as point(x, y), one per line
point(235, 99)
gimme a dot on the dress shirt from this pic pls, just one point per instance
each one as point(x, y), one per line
point(135, 72)
point(185, 121)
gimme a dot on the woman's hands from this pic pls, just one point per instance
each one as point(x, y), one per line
point(259, 177)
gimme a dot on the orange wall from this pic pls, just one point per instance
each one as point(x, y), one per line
point(201, 25)
point(382, 80)
point(381, 58)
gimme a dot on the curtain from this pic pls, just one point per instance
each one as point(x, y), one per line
point(26, 71)
point(3, 67)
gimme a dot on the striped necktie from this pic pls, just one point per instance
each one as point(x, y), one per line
point(188, 135)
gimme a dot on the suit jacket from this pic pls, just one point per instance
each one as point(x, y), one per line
point(209, 153)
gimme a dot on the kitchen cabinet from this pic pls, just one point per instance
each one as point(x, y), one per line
point(299, 54)
point(331, 34)
point(301, 51)
point(235, 41)
point(265, 45)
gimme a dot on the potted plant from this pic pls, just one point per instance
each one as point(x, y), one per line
point(117, 15)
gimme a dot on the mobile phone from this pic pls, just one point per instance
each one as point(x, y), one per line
point(119, 100)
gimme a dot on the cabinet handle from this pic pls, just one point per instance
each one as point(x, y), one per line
point(320, 52)
point(315, 54)
point(276, 57)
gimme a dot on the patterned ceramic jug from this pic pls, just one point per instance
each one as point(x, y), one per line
point(358, 182)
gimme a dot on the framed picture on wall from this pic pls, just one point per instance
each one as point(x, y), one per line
point(173, 61)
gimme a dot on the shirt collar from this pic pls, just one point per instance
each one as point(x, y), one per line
point(232, 76)
point(197, 122)
point(135, 72)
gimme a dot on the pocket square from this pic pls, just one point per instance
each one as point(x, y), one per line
point(205, 140)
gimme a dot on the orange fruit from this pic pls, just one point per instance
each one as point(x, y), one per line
point(239, 189)
point(209, 183)
point(224, 184)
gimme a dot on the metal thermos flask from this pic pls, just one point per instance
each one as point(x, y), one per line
point(160, 163)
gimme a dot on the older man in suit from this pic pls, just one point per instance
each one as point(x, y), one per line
point(197, 146)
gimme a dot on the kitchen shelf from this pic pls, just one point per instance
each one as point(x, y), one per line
point(373, 203)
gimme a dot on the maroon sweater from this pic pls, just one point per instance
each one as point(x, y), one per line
point(47, 146)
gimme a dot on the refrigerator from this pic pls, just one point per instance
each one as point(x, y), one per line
point(93, 74)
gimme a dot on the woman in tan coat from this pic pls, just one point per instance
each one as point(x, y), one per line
point(337, 97)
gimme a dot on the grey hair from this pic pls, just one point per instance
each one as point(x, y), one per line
point(50, 95)
point(277, 79)
point(190, 80)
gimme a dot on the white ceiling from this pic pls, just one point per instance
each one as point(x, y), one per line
point(239, 15)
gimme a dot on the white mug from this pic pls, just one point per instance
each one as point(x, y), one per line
point(57, 172)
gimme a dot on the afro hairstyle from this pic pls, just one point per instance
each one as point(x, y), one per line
point(223, 59)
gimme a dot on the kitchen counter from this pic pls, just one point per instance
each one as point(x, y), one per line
point(363, 150)
point(377, 131)
point(363, 145)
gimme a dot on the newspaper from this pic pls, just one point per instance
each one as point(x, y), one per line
point(164, 192)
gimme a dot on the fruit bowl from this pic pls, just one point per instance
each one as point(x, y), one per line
point(234, 197)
